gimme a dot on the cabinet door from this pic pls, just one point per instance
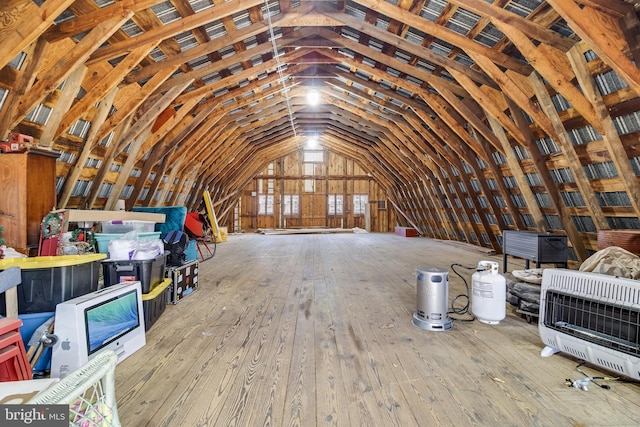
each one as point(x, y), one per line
point(28, 194)
point(41, 193)
point(13, 173)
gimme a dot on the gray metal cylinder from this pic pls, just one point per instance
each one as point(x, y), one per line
point(432, 299)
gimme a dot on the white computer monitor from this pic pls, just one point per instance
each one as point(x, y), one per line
point(111, 318)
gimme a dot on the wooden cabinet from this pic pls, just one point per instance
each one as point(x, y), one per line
point(28, 188)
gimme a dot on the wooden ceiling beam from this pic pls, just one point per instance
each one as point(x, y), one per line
point(498, 15)
point(172, 29)
point(23, 22)
point(603, 34)
point(426, 26)
point(410, 47)
point(50, 79)
point(87, 21)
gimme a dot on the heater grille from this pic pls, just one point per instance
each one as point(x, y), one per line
point(609, 325)
point(594, 317)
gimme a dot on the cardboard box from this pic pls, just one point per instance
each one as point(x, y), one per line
point(185, 281)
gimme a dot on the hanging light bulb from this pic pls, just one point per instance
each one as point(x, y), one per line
point(312, 142)
point(313, 97)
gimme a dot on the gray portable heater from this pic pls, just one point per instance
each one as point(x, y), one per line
point(432, 289)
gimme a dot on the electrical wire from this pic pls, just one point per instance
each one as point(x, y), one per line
point(583, 383)
point(465, 308)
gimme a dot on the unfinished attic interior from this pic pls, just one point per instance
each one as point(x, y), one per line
point(456, 121)
point(459, 119)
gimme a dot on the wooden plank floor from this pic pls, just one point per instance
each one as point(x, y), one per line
point(316, 330)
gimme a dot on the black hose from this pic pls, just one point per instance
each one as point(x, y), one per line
point(465, 308)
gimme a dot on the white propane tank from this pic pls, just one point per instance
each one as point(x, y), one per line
point(489, 290)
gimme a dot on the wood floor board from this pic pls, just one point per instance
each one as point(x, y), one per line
point(316, 329)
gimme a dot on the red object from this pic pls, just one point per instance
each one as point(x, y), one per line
point(406, 232)
point(9, 147)
point(17, 143)
point(20, 138)
point(14, 364)
point(193, 225)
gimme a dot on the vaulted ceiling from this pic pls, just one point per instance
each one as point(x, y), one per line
point(208, 92)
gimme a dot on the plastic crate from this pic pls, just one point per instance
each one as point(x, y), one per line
point(154, 303)
point(117, 227)
point(103, 239)
point(150, 272)
point(50, 280)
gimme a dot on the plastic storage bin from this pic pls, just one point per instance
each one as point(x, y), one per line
point(154, 303)
point(117, 227)
point(31, 322)
point(150, 272)
point(49, 280)
point(103, 239)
